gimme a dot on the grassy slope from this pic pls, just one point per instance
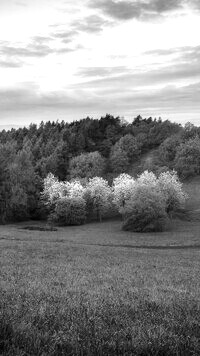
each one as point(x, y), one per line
point(95, 290)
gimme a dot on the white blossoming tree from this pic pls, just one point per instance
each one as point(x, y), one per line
point(147, 178)
point(65, 200)
point(123, 188)
point(147, 201)
point(172, 190)
point(55, 190)
point(99, 192)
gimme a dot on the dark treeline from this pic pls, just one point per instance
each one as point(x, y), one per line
point(27, 155)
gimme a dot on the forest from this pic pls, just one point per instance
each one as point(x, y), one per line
point(105, 147)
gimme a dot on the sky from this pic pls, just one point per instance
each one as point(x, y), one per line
point(69, 59)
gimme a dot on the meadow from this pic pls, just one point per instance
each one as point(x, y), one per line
point(96, 290)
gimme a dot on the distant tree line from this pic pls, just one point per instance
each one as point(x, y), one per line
point(84, 149)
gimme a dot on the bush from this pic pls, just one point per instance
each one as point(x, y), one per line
point(133, 224)
point(145, 211)
point(69, 211)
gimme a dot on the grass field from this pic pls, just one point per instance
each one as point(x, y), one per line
point(96, 290)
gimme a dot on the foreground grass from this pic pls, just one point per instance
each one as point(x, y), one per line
point(95, 290)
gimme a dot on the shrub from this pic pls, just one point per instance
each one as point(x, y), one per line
point(69, 211)
point(145, 210)
point(156, 225)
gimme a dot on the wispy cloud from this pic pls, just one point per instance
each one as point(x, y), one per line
point(133, 79)
point(38, 47)
point(187, 52)
point(90, 72)
point(90, 25)
point(182, 68)
point(33, 49)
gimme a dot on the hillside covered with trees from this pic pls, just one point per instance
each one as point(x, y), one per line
point(85, 149)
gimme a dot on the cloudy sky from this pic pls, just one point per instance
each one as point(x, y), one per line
point(67, 59)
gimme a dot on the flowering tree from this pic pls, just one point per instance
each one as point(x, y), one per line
point(144, 191)
point(123, 187)
point(147, 179)
point(66, 200)
point(99, 192)
point(55, 190)
point(147, 201)
point(171, 188)
point(75, 189)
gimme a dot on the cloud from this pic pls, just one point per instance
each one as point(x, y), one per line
point(37, 48)
point(101, 71)
point(88, 24)
point(10, 64)
point(21, 3)
point(26, 99)
point(66, 36)
point(91, 24)
point(184, 67)
point(141, 9)
point(41, 39)
point(185, 53)
point(34, 49)
point(132, 79)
